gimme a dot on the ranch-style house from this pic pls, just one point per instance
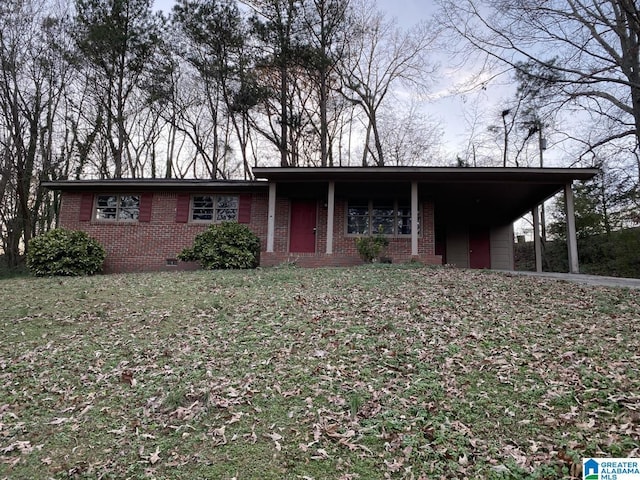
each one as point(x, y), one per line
point(312, 216)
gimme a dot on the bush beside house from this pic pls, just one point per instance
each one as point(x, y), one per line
point(226, 245)
point(66, 253)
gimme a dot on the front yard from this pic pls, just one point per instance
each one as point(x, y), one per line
point(285, 373)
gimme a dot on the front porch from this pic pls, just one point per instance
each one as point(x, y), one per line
point(464, 216)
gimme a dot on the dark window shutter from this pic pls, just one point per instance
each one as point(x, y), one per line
point(146, 201)
point(244, 209)
point(182, 207)
point(86, 207)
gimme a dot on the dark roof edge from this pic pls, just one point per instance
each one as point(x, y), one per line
point(419, 169)
point(153, 184)
point(423, 172)
point(438, 174)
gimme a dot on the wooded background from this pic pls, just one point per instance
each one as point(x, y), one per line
point(114, 89)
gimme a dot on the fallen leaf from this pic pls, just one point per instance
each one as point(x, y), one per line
point(59, 421)
point(127, 377)
point(119, 431)
point(155, 456)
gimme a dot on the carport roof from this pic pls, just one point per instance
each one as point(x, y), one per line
point(475, 194)
point(426, 174)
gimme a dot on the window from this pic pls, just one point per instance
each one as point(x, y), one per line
point(120, 208)
point(358, 218)
point(388, 217)
point(383, 217)
point(214, 208)
point(404, 220)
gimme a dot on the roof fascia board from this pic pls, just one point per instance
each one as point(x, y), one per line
point(129, 184)
point(426, 174)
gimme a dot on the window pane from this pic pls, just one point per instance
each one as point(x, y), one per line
point(358, 218)
point(202, 208)
point(129, 207)
point(358, 225)
point(383, 218)
point(226, 215)
point(404, 226)
point(226, 209)
point(358, 210)
point(382, 225)
point(382, 211)
point(117, 207)
point(227, 202)
point(404, 220)
point(107, 207)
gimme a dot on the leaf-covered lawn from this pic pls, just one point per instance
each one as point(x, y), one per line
point(285, 373)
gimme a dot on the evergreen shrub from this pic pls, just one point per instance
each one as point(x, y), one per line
point(227, 245)
point(62, 252)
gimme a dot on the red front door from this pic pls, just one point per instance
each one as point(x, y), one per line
point(479, 248)
point(302, 238)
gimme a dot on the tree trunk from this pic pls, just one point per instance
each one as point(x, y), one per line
point(365, 151)
point(377, 141)
point(323, 118)
point(284, 118)
point(168, 173)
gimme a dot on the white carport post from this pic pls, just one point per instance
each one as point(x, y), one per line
point(572, 243)
point(414, 219)
point(331, 203)
point(271, 218)
point(537, 242)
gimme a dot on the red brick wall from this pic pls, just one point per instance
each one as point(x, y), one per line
point(146, 246)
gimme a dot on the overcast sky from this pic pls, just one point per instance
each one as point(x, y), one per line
point(407, 11)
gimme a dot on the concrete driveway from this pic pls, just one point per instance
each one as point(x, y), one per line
point(587, 279)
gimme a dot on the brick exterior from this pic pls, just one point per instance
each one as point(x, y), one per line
point(153, 245)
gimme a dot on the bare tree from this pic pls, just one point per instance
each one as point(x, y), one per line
point(32, 77)
point(276, 27)
point(381, 56)
point(216, 38)
point(408, 136)
point(588, 50)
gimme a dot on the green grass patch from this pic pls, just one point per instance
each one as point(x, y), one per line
point(373, 372)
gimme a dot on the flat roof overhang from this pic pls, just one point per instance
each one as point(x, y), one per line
point(474, 194)
point(153, 184)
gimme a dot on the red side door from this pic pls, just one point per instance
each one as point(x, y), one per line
point(479, 248)
point(302, 236)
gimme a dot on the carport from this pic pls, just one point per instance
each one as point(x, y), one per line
point(473, 205)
